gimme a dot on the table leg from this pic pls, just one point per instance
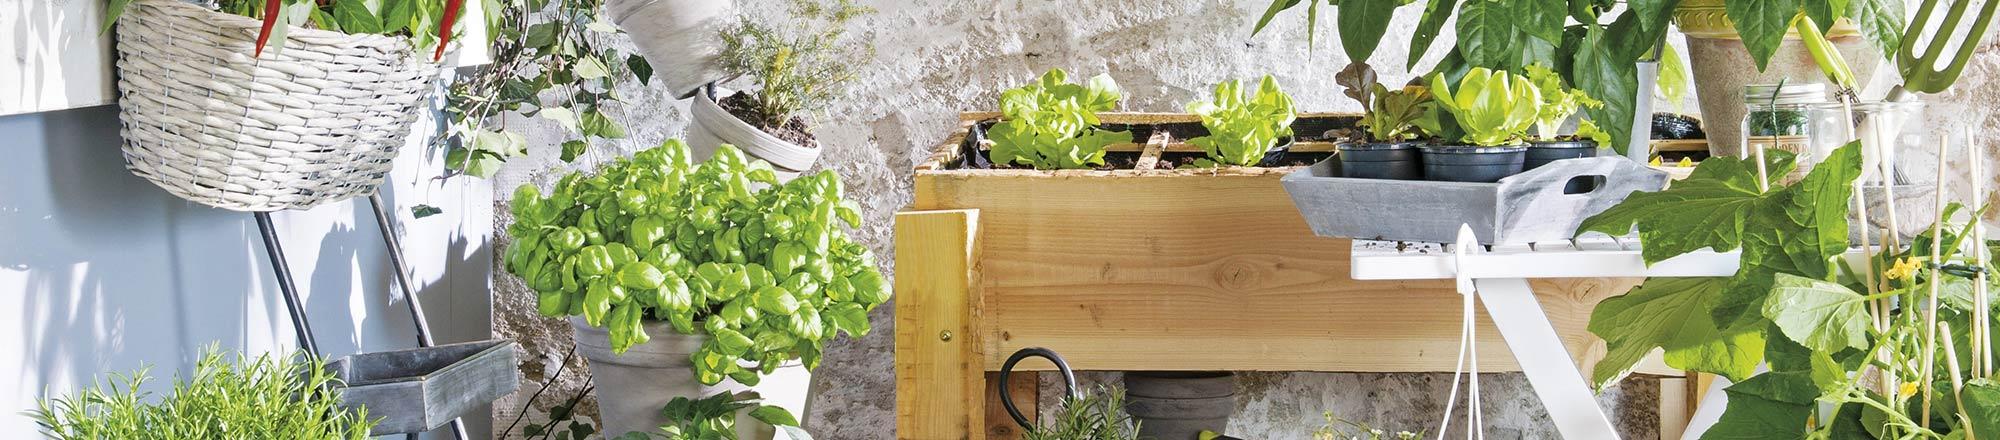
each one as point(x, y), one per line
point(1549, 367)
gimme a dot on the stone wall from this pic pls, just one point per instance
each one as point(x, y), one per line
point(935, 58)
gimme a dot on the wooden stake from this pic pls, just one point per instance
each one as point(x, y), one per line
point(1931, 300)
point(1982, 317)
point(1957, 386)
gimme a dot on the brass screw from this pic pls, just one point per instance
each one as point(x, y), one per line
point(944, 335)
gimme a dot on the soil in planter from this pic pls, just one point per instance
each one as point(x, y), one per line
point(795, 130)
point(1170, 161)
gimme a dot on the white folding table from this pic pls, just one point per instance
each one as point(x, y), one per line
point(1499, 279)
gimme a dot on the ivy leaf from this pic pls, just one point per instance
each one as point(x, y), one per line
point(1770, 405)
point(1709, 209)
point(1486, 33)
point(1880, 22)
point(421, 211)
point(479, 163)
point(595, 123)
point(640, 68)
point(1820, 315)
point(1361, 24)
point(572, 149)
point(589, 67)
point(1762, 25)
point(1436, 12)
point(541, 35)
point(562, 116)
point(1671, 313)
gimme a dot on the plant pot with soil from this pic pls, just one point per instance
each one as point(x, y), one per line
point(799, 68)
point(1494, 109)
point(304, 107)
point(688, 279)
point(1391, 120)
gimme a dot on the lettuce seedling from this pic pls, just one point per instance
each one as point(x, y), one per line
point(1495, 108)
point(1558, 102)
point(1400, 115)
point(1241, 128)
point(1052, 124)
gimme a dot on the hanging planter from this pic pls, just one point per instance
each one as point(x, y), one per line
point(210, 120)
point(714, 126)
point(678, 36)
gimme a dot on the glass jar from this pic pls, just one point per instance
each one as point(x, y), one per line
point(1780, 117)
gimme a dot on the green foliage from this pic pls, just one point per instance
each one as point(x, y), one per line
point(802, 66)
point(1336, 428)
point(552, 61)
point(1762, 24)
point(1558, 101)
point(1096, 415)
point(714, 418)
point(1587, 129)
point(1789, 306)
point(1494, 108)
point(1401, 114)
point(417, 19)
point(267, 397)
point(1672, 83)
point(1241, 128)
point(721, 248)
point(1052, 124)
point(1778, 122)
point(1361, 23)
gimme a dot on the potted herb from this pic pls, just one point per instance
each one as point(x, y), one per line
point(1559, 102)
point(308, 102)
point(1495, 109)
point(1391, 121)
point(267, 397)
point(687, 279)
point(799, 68)
point(1244, 130)
point(714, 418)
point(1052, 124)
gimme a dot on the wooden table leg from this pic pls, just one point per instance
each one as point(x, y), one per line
point(1549, 367)
point(940, 377)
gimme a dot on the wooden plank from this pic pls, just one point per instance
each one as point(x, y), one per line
point(1025, 389)
point(939, 381)
point(1674, 408)
point(1150, 157)
point(1204, 271)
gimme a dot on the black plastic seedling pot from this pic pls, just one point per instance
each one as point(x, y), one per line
point(1541, 153)
point(1465, 163)
point(1381, 160)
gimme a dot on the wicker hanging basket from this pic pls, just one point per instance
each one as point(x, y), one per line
point(316, 122)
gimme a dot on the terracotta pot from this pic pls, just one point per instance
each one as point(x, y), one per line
point(1721, 66)
point(632, 387)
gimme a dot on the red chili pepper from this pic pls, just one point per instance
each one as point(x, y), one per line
point(444, 31)
point(271, 14)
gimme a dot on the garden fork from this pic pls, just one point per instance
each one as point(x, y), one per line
point(1921, 73)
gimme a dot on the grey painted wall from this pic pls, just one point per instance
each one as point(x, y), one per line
point(101, 271)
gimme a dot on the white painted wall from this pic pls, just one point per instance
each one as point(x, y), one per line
point(101, 271)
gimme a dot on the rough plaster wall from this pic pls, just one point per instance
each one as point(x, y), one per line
point(936, 58)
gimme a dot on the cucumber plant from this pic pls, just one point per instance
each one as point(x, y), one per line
point(1241, 128)
point(1052, 124)
point(721, 248)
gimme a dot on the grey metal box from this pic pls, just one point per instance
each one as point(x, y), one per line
point(1523, 208)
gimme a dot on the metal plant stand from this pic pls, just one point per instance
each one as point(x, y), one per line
point(296, 308)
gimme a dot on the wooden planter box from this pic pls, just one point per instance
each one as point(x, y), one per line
point(1152, 270)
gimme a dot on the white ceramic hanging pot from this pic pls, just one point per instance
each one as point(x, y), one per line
point(633, 386)
point(681, 38)
point(714, 126)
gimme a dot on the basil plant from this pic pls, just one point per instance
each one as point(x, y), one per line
point(1495, 108)
point(1242, 128)
point(720, 248)
point(1052, 124)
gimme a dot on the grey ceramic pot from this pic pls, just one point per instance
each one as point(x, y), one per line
point(1179, 405)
